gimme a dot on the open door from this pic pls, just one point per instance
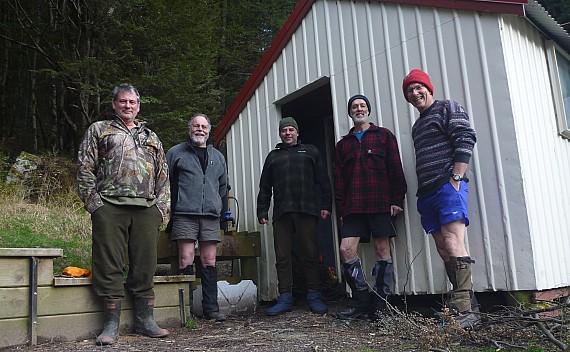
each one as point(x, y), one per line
point(313, 112)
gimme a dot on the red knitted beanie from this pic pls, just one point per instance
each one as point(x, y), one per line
point(417, 76)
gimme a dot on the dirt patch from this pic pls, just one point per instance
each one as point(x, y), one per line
point(301, 330)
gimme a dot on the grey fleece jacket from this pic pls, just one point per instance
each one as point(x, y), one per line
point(193, 191)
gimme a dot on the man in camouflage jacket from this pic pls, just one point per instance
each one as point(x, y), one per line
point(123, 182)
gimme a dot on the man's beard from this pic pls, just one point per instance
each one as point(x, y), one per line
point(359, 120)
point(199, 140)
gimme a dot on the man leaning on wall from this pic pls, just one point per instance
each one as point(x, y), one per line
point(444, 142)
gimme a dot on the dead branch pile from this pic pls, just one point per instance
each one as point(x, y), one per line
point(507, 327)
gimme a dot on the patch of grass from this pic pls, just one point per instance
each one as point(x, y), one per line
point(191, 324)
point(60, 222)
point(536, 349)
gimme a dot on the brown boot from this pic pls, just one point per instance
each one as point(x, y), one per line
point(461, 298)
point(111, 316)
point(144, 318)
point(450, 270)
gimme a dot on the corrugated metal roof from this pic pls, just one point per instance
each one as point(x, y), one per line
point(547, 24)
point(512, 7)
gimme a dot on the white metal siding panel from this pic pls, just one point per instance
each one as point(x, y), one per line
point(543, 153)
point(367, 48)
point(438, 41)
point(499, 119)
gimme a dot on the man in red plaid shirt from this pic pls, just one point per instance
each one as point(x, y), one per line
point(369, 190)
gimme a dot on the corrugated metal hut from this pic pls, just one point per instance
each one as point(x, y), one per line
point(507, 62)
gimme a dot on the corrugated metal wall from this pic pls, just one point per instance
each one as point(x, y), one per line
point(368, 48)
point(544, 155)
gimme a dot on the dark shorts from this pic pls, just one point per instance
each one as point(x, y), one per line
point(201, 228)
point(367, 225)
point(444, 206)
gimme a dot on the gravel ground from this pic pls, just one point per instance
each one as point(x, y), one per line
point(301, 330)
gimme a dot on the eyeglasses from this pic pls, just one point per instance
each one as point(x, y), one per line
point(125, 101)
point(204, 127)
point(412, 89)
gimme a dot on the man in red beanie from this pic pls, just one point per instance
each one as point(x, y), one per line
point(444, 141)
point(369, 190)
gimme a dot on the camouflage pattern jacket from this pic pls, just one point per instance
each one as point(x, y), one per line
point(116, 162)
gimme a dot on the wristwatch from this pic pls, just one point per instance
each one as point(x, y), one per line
point(456, 177)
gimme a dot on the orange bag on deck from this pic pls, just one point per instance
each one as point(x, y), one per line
point(76, 272)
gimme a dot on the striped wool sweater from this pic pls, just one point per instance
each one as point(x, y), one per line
point(442, 136)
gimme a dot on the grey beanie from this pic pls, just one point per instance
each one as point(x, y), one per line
point(359, 96)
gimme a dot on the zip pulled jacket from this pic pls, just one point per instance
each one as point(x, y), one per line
point(296, 175)
point(115, 162)
point(196, 192)
point(369, 177)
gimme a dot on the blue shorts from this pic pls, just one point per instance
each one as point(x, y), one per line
point(444, 206)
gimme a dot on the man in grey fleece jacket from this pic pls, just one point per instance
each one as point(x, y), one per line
point(198, 184)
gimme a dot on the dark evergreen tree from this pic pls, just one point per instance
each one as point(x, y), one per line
point(61, 60)
point(560, 10)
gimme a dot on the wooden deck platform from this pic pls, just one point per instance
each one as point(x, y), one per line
point(36, 307)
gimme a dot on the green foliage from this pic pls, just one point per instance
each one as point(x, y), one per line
point(191, 324)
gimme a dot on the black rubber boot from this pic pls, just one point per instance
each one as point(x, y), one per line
point(210, 294)
point(112, 317)
point(188, 270)
point(461, 298)
point(383, 271)
point(144, 318)
point(359, 305)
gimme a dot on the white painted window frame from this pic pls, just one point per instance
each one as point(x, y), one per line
point(562, 112)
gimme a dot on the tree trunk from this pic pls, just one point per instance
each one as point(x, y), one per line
point(33, 104)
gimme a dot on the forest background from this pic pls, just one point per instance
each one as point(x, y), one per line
point(60, 60)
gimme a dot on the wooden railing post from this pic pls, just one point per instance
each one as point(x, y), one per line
point(33, 316)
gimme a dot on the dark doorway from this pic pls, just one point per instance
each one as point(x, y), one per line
point(313, 113)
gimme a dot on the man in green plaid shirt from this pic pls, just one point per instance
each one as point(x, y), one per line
point(294, 173)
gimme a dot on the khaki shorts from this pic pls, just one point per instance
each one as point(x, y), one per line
point(197, 228)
